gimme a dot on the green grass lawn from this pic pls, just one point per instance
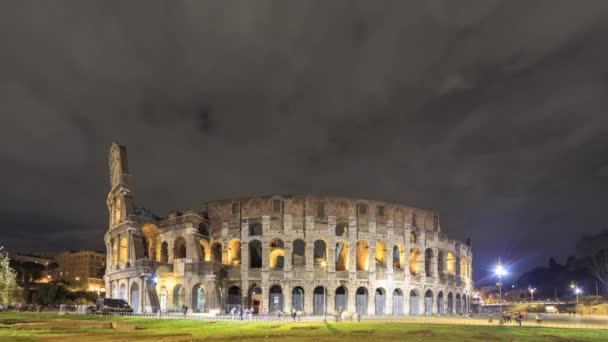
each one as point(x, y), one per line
point(151, 329)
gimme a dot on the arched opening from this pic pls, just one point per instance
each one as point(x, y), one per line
point(124, 245)
point(179, 248)
point(428, 262)
point(380, 254)
point(122, 292)
point(398, 257)
point(113, 292)
point(440, 308)
point(164, 295)
point(255, 299)
point(341, 299)
point(341, 256)
point(234, 252)
point(235, 298)
point(450, 303)
point(179, 297)
point(428, 302)
point(463, 267)
point(134, 302)
point(298, 256)
point(255, 229)
point(320, 252)
point(198, 298)
point(277, 254)
point(255, 254)
point(150, 234)
point(114, 251)
point(319, 298)
point(449, 264)
point(297, 298)
point(117, 210)
point(414, 302)
point(362, 255)
point(216, 252)
point(379, 301)
point(397, 302)
point(413, 237)
point(415, 261)
point(458, 304)
point(361, 301)
point(342, 229)
point(164, 252)
point(205, 250)
point(203, 228)
point(457, 266)
point(276, 298)
point(144, 241)
point(440, 263)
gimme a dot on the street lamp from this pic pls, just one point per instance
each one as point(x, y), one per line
point(324, 265)
point(531, 289)
point(500, 271)
point(578, 291)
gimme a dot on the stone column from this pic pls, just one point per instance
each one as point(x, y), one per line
point(288, 248)
point(310, 247)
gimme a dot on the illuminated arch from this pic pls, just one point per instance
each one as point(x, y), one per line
point(124, 249)
point(277, 254)
point(362, 255)
point(234, 252)
point(342, 256)
point(463, 267)
point(380, 254)
point(398, 256)
point(450, 264)
point(114, 251)
point(206, 249)
point(320, 251)
point(415, 261)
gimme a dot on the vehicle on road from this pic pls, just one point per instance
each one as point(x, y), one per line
point(110, 305)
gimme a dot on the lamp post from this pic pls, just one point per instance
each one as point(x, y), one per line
point(324, 265)
point(500, 271)
point(578, 291)
point(531, 289)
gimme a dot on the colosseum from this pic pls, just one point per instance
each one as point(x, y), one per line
point(309, 253)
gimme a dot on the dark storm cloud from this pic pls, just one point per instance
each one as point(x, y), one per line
point(493, 113)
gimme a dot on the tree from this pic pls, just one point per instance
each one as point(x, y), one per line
point(8, 279)
point(595, 250)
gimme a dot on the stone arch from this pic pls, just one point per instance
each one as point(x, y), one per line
point(341, 229)
point(449, 264)
point(362, 255)
point(198, 298)
point(122, 292)
point(319, 300)
point(342, 256)
point(463, 267)
point(440, 263)
point(458, 304)
point(397, 302)
point(380, 254)
point(179, 248)
point(361, 298)
point(179, 297)
point(440, 304)
point(134, 297)
point(297, 298)
point(150, 230)
point(380, 301)
point(414, 302)
point(206, 249)
point(115, 251)
point(163, 297)
point(398, 256)
point(413, 236)
point(428, 302)
point(256, 299)
point(123, 249)
point(341, 302)
point(164, 252)
point(450, 303)
point(234, 299)
point(277, 254)
point(457, 266)
point(320, 251)
point(275, 297)
point(415, 261)
point(255, 254)
point(117, 210)
point(428, 262)
point(216, 252)
point(234, 252)
point(298, 255)
point(255, 229)
point(203, 228)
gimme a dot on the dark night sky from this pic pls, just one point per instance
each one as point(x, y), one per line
point(492, 113)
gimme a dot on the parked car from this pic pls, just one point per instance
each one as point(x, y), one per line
point(110, 305)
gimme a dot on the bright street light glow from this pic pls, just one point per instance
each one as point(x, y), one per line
point(578, 290)
point(500, 270)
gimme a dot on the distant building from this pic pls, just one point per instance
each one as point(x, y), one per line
point(82, 269)
point(35, 258)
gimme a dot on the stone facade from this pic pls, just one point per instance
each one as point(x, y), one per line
point(283, 252)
